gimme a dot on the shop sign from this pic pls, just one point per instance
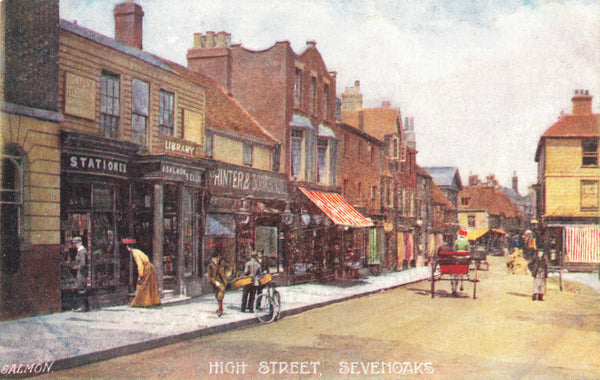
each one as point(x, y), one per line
point(93, 164)
point(190, 175)
point(237, 179)
point(80, 96)
point(178, 147)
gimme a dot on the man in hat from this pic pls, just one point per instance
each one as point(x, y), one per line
point(251, 268)
point(81, 267)
point(217, 272)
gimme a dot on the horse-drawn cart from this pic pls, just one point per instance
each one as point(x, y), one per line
point(453, 266)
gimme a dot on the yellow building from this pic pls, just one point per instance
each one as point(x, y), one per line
point(568, 195)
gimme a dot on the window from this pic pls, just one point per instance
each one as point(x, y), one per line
point(589, 149)
point(276, 158)
point(589, 195)
point(247, 154)
point(296, 153)
point(166, 114)
point(298, 89)
point(208, 145)
point(359, 191)
point(465, 201)
point(325, 101)
point(373, 193)
point(109, 104)
point(394, 147)
point(139, 111)
point(322, 161)
point(313, 95)
point(360, 149)
point(346, 144)
point(11, 206)
point(471, 220)
point(345, 187)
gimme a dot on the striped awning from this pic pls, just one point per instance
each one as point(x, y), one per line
point(337, 209)
point(582, 244)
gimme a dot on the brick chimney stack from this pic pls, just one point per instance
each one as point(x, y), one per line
point(128, 23)
point(582, 102)
point(515, 182)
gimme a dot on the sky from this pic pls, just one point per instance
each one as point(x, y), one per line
point(482, 79)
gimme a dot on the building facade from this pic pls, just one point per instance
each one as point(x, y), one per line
point(30, 147)
point(567, 189)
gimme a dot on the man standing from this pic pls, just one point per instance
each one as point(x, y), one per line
point(80, 265)
point(218, 271)
point(251, 268)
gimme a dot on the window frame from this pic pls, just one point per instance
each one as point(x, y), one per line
point(298, 88)
point(298, 138)
point(583, 206)
point(209, 145)
point(166, 127)
point(140, 110)
point(248, 154)
point(324, 163)
point(313, 95)
point(12, 208)
point(110, 104)
point(589, 154)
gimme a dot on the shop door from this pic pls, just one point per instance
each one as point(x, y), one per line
point(267, 243)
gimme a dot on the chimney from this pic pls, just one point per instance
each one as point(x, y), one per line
point(357, 87)
point(310, 44)
point(515, 182)
point(582, 102)
point(128, 23)
point(361, 120)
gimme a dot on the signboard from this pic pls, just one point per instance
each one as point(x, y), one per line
point(241, 179)
point(189, 175)
point(182, 148)
point(80, 96)
point(92, 164)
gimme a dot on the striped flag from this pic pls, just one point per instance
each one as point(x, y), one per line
point(583, 244)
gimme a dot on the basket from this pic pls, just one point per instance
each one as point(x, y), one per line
point(242, 281)
point(265, 279)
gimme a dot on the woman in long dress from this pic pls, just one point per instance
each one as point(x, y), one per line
point(146, 292)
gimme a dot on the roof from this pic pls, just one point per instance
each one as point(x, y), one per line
point(445, 176)
point(575, 126)
point(377, 122)
point(490, 199)
point(422, 172)
point(223, 112)
point(440, 198)
point(337, 208)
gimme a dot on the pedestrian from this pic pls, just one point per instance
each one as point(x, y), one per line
point(460, 245)
point(251, 268)
point(146, 290)
point(539, 270)
point(80, 265)
point(529, 245)
point(218, 272)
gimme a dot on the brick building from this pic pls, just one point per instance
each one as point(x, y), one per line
point(30, 147)
point(292, 95)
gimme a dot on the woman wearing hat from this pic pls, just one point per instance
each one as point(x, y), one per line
point(146, 291)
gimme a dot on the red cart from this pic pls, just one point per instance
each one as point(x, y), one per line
point(452, 265)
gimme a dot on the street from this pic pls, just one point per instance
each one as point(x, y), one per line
point(402, 333)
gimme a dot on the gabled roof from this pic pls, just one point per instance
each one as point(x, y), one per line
point(490, 199)
point(575, 126)
point(377, 122)
point(445, 176)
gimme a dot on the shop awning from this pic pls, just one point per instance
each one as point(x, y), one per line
point(501, 232)
point(476, 234)
point(582, 244)
point(337, 209)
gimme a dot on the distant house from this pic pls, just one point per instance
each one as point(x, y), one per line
point(447, 178)
point(567, 190)
point(485, 207)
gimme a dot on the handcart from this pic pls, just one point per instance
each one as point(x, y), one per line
point(452, 266)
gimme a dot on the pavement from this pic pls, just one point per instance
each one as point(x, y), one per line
point(53, 342)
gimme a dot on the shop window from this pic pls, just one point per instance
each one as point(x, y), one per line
point(11, 208)
point(166, 114)
point(109, 104)
point(296, 153)
point(208, 145)
point(589, 149)
point(248, 154)
point(298, 88)
point(139, 111)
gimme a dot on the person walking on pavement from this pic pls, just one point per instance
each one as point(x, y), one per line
point(146, 290)
point(539, 270)
point(460, 245)
point(81, 266)
point(251, 268)
point(217, 272)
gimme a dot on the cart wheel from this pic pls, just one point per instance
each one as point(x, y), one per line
point(433, 265)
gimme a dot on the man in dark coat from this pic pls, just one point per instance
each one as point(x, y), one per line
point(217, 272)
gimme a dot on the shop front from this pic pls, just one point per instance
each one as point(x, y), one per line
point(95, 206)
point(167, 208)
point(246, 211)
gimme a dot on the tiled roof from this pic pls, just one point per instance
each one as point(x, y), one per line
point(575, 126)
point(223, 112)
point(440, 198)
point(490, 199)
point(378, 122)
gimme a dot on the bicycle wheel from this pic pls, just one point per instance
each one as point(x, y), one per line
point(267, 312)
point(277, 299)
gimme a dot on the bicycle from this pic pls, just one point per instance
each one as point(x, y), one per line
point(267, 304)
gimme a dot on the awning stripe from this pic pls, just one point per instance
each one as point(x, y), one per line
point(337, 208)
point(583, 244)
